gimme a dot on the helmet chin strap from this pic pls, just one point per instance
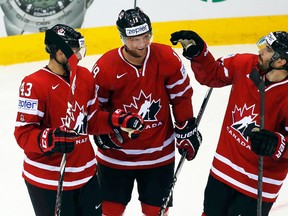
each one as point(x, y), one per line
point(273, 68)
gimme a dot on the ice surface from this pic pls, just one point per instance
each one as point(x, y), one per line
point(188, 191)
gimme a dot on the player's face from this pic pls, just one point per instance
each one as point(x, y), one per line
point(265, 55)
point(62, 59)
point(137, 45)
point(79, 52)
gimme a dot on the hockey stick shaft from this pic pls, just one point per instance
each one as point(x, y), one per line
point(167, 197)
point(60, 186)
point(255, 77)
point(260, 160)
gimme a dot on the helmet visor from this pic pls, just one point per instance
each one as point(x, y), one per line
point(82, 48)
point(261, 43)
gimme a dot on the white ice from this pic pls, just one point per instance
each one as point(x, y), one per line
point(188, 191)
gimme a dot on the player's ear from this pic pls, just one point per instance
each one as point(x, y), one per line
point(283, 61)
point(280, 62)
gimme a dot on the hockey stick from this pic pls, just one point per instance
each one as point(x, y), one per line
point(168, 195)
point(60, 186)
point(255, 77)
point(135, 3)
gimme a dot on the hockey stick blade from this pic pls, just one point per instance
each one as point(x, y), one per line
point(170, 189)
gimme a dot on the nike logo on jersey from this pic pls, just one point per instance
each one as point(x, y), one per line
point(54, 87)
point(97, 206)
point(121, 75)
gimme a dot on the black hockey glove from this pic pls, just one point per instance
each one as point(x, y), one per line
point(109, 141)
point(267, 143)
point(131, 123)
point(59, 42)
point(188, 138)
point(191, 42)
point(60, 140)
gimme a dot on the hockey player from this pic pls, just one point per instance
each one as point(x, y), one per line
point(41, 128)
point(233, 181)
point(145, 78)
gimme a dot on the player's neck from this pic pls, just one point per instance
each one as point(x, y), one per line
point(56, 68)
point(276, 75)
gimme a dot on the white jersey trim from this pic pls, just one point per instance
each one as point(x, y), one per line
point(91, 102)
point(178, 82)
point(150, 150)
point(38, 112)
point(241, 185)
point(57, 168)
point(19, 124)
point(55, 182)
point(249, 175)
point(135, 163)
point(179, 94)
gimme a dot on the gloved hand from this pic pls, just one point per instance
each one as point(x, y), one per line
point(191, 42)
point(188, 138)
point(59, 140)
point(109, 141)
point(131, 123)
point(267, 143)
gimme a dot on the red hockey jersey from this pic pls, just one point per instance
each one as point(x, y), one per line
point(162, 82)
point(43, 98)
point(234, 163)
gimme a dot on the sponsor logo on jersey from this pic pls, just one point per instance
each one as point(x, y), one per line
point(183, 70)
point(138, 30)
point(97, 206)
point(146, 106)
point(282, 146)
point(55, 86)
point(118, 76)
point(22, 117)
point(27, 105)
point(243, 121)
point(76, 118)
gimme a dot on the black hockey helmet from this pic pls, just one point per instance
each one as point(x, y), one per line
point(279, 42)
point(73, 38)
point(133, 22)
